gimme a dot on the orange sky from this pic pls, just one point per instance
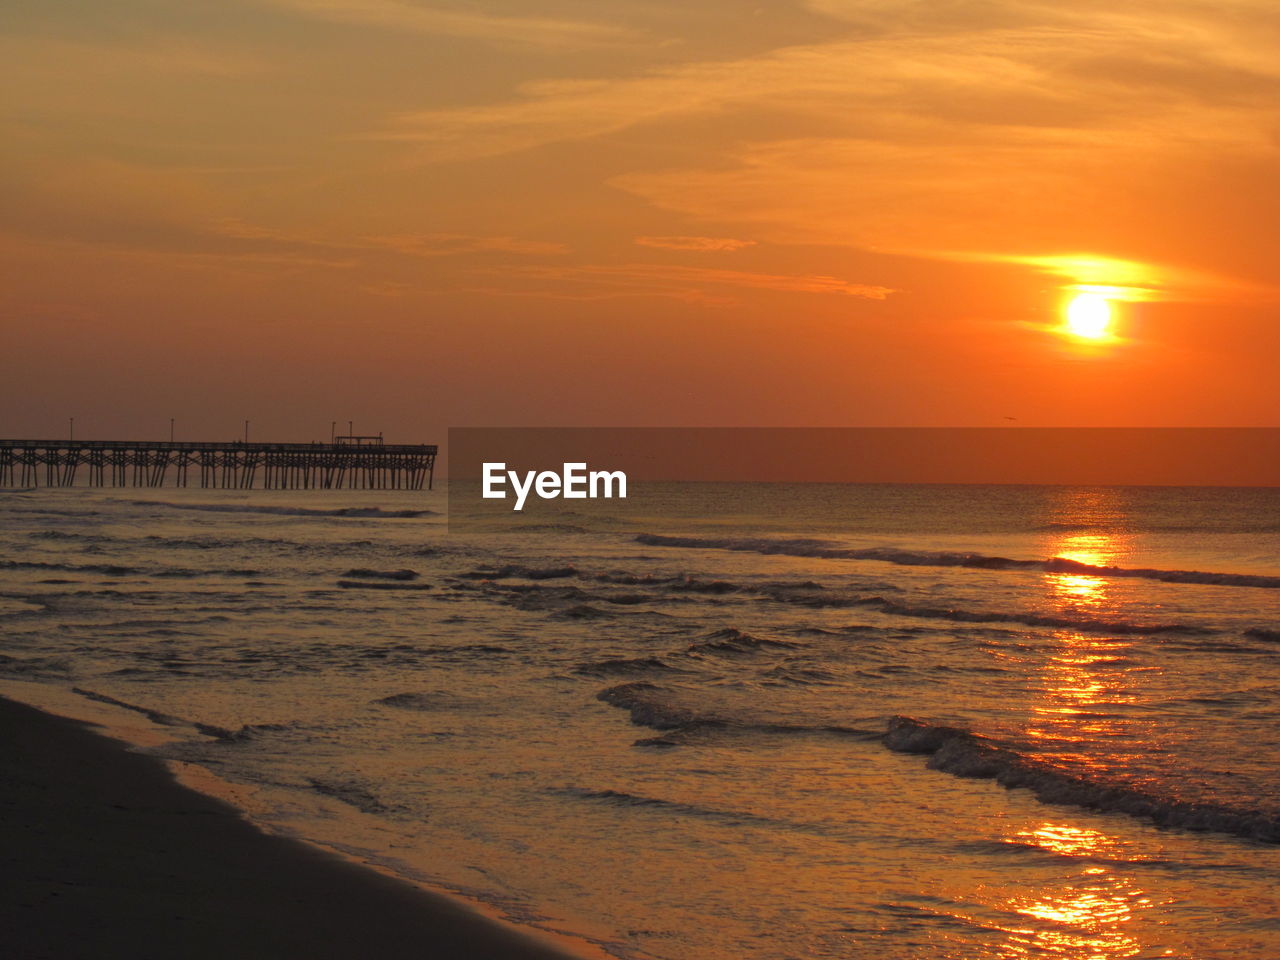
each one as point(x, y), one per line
point(413, 214)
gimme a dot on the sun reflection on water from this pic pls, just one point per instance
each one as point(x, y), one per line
point(1086, 681)
point(1093, 526)
point(1087, 918)
point(1094, 549)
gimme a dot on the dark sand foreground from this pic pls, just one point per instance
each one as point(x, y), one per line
point(105, 855)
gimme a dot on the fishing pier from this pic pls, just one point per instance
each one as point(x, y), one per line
point(350, 463)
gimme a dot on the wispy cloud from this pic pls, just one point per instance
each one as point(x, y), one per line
point(1125, 279)
point(239, 229)
point(1013, 128)
point(1040, 70)
point(471, 24)
point(157, 54)
point(452, 244)
point(693, 284)
point(699, 244)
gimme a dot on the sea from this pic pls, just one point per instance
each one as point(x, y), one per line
point(721, 721)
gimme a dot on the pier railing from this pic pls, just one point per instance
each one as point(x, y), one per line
point(274, 466)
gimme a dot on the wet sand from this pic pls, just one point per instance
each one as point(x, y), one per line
point(105, 855)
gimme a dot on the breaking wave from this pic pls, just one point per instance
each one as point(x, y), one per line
point(626, 667)
point(381, 585)
point(110, 569)
point(1086, 624)
point(651, 705)
point(121, 570)
point(825, 549)
point(962, 753)
point(366, 574)
point(515, 571)
point(354, 792)
point(367, 512)
point(623, 799)
point(157, 716)
point(730, 641)
point(423, 701)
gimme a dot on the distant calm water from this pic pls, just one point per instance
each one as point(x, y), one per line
point(724, 721)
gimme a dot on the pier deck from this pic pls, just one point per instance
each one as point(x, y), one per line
point(240, 465)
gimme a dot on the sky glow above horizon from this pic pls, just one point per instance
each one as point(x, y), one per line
point(417, 214)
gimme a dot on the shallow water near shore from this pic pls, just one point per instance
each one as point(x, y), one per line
point(664, 729)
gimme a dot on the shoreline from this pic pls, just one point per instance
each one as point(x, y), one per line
point(108, 855)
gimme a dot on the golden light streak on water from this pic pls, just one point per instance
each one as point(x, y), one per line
point(1088, 918)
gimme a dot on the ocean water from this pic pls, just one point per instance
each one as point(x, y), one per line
point(717, 721)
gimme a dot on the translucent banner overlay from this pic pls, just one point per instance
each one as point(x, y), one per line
point(550, 476)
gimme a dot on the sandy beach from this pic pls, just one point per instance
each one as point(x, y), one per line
point(107, 856)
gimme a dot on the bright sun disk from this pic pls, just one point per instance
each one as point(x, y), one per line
point(1089, 316)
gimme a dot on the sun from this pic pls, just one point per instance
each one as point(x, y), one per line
point(1089, 316)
